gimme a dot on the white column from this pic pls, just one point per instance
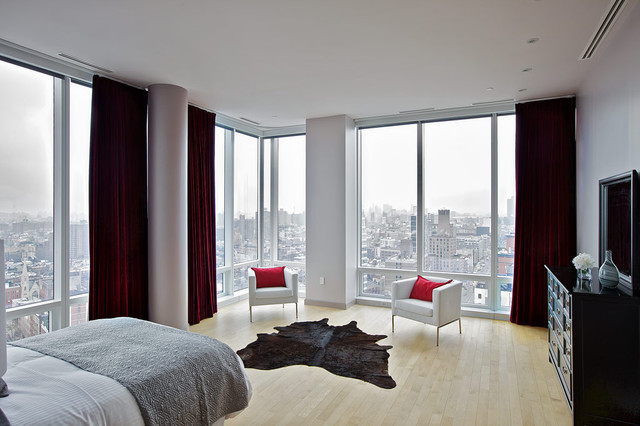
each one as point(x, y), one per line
point(331, 212)
point(168, 273)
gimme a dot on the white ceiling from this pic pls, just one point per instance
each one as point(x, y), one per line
point(280, 62)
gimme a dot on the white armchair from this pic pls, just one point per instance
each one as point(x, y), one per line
point(273, 295)
point(444, 309)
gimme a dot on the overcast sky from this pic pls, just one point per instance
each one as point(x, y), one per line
point(457, 158)
point(457, 165)
point(26, 143)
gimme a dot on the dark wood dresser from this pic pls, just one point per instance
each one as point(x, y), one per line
point(594, 346)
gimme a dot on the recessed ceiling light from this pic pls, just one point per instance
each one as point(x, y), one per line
point(533, 40)
point(489, 89)
point(527, 69)
point(522, 90)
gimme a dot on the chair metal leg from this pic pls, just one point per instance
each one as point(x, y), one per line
point(296, 310)
point(460, 325)
point(283, 306)
point(250, 314)
point(438, 336)
point(393, 323)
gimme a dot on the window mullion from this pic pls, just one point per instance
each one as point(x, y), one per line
point(420, 249)
point(275, 144)
point(494, 290)
point(229, 210)
point(60, 316)
point(260, 212)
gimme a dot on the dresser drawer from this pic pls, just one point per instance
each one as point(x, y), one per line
point(565, 370)
point(567, 347)
point(555, 347)
point(567, 303)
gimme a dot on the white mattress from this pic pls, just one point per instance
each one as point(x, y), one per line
point(42, 388)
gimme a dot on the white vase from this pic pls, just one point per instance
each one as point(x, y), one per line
point(608, 274)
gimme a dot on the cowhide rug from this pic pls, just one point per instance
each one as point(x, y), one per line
point(343, 350)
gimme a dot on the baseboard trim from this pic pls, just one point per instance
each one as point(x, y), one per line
point(465, 311)
point(325, 304)
point(373, 301)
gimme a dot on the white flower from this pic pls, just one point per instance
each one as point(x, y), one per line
point(583, 261)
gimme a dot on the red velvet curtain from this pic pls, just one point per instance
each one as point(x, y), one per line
point(118, 284)
point(201, 215)
point(545, 202)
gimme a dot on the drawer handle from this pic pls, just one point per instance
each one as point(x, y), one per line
point(564, 370)
point(553, 343)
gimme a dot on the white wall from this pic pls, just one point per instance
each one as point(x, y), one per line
point(608, 136)
point(330, 208)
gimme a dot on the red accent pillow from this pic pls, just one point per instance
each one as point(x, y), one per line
point(423, 289)
point(269, 277)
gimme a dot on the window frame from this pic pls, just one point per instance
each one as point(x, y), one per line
point(493, 280)
point(59, 306)
point(231, 269)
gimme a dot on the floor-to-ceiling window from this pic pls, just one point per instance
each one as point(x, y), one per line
point(219, 187)
point(437, 198)
point(44, 145)
point(389, 202)
point(245, 207)
point(258, 176)
point(457, 202)
point(79, 265)
point(506, 157)
point(290, 222)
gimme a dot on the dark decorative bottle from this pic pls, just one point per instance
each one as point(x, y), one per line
point(608, 274)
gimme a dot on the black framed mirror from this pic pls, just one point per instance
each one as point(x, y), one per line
point(619, 227)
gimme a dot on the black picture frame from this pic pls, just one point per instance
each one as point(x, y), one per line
point(619, 228)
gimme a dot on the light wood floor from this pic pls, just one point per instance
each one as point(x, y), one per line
point(495, 373)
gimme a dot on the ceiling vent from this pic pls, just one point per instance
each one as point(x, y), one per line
point(606, 23)
point(86, 64)
point(255, 123)
point(415, 111)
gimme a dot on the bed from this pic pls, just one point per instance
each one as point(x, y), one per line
point(123, 371)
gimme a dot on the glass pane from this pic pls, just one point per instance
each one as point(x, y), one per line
point(506, 291)
point(475, 293)
point(27, 326)
point(291, 199)
point(457, 223)
point(379, 284)
point(266, 218)
point(26, 194)
point(79, 266)
point(240, 278)
point(389, 191)
point(245, 229)
point(78, 314)
point(302, 277)
point(219, 283)
point(506, 202)
point(219, 195)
